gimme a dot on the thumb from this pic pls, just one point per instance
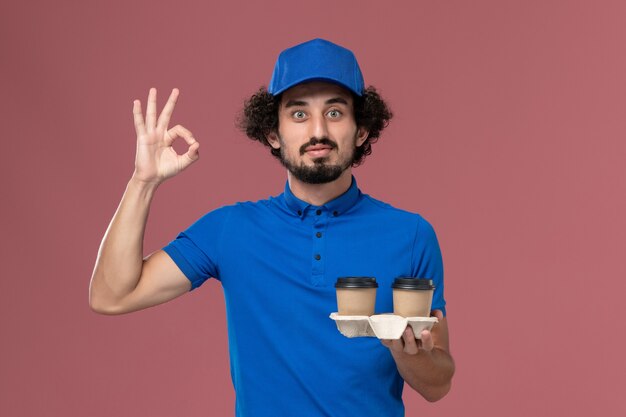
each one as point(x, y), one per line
point(437, 313)
point(190, 156)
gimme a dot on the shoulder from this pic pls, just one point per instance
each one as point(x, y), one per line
point(244, 206)
point(385, 209)
point(235, 210)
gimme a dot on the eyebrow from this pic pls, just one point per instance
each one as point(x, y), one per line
point(292, 103)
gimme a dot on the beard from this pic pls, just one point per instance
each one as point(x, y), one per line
point(321, 172)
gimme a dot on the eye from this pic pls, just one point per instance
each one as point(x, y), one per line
point(334, 113)
point(299, 114)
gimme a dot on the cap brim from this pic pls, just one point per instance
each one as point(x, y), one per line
point(310, 79)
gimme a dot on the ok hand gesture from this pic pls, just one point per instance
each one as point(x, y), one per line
point(156, 160)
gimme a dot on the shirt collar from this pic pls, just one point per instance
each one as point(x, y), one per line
point(336, 206)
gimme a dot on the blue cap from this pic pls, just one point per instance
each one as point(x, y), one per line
point(317, 59)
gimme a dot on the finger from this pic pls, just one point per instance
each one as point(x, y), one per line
point(386, 342)
point(396, 345)
point(178, 131)
point(151, 110)
point(427, 340)
point(166, 114)
point(140, 127)
point(410, 344)
point(192, 153)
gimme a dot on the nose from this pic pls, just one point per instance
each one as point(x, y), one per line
point(318, 127)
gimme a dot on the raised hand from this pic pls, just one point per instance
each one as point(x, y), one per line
point(156, 160)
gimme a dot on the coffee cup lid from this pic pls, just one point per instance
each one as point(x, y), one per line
point(413, 284)
point(356, 282)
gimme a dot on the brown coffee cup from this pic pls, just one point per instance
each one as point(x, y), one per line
point(412, 297)
point(356, 296)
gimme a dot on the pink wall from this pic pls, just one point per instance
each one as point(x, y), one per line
point(509, 137)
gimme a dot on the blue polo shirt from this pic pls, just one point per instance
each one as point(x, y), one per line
point(278, 260)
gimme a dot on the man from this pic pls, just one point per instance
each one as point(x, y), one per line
point(277, 259)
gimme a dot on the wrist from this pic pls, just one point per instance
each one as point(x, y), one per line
point(142, 185)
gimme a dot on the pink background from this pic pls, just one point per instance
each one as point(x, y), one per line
point(509, 137)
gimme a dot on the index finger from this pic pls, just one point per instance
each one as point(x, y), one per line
point(166, 114)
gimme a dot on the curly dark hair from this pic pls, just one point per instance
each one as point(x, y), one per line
point(259, 118)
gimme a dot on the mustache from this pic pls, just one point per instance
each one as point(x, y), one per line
point(315, 141)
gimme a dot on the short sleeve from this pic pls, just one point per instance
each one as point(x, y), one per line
point(196, 249)
point(427, 261)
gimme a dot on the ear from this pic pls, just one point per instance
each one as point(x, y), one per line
point(272, 138)
point(361, 136)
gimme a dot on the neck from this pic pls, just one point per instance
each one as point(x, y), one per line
point(320, 194)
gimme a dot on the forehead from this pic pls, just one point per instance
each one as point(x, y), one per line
point(315, 90)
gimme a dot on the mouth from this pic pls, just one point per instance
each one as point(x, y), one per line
point(318, 151)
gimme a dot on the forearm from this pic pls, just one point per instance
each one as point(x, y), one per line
point(120, 257)
point(428, 372)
